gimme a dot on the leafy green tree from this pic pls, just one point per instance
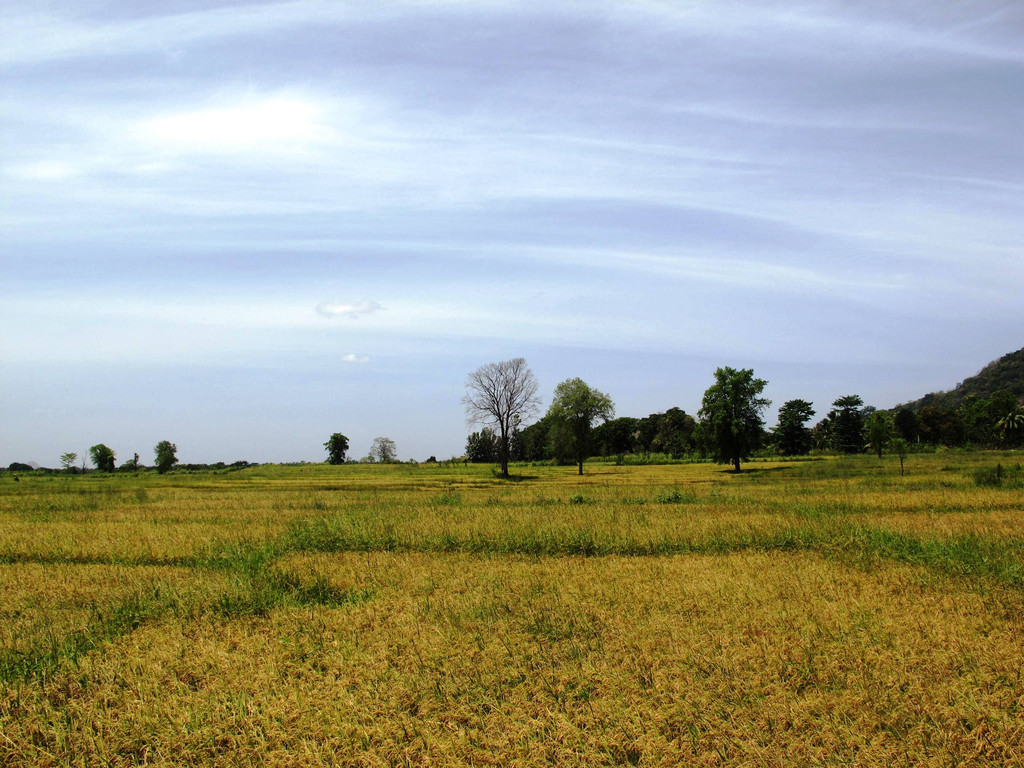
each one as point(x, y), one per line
point(516, 446)
point(574, 409)
point(906, 425)
point(102, 457)
point(646, 432)
point(732, 414)
point(675, 432)
point(482, 447)
point(792, 436)
point(977, 430)
point(940, 426)
point(879, 431)
point(533, 441)
point(67, 461)
point(383, 451)
point(616, 436)
point(821, 435)
point(501, 396)
point(336, 447)
point(846, 421)
point(1011, 425)
point(166, 456)
point(1000, 404)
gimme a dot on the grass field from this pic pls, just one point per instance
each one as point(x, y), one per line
point(816, 612)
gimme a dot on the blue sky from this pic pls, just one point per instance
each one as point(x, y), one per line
point(243, 226)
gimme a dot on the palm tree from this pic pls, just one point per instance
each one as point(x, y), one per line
point(1011, 423)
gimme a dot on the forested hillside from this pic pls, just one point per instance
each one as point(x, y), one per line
point(1006, 373)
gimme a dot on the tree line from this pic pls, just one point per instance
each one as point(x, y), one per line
point(728, 428)
point(104, 459)
point(502, 398)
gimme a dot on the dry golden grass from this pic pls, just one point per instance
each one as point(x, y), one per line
point(825, 612)
point(43, 603)
point(765, 659)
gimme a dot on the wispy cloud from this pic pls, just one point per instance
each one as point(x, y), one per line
point(347, 310)
point(354, 358)
point(276, 122)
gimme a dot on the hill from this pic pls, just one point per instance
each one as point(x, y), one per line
point(1005, 373)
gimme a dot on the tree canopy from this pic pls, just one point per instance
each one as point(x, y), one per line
point(482, 447)
point(732, 414)
point(879, 429)
point(102, 457)
point(383, 451)
point(336, 447)
point(166, 455)
point(574, 409)
point(847, 424)
point(792, 436)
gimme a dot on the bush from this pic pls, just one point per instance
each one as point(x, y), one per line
point(1000, 476)
point(676, 497)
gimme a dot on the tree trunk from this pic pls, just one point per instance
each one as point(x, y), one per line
point(581, 467)
point(736, 463)
point(503, 448)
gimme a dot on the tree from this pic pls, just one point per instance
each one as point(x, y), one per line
point(102, 457)
point(574, 409)
point(534, 441)
point(792, 436)
point(1011, 423)
point(899, 447)
point(165, 455)
point(501, 396)
point(907, 424)
point(616, 436)
point(675, 432)
point(821, 435)
point(482, 446)
point(847, 424)
point(940, 426)
point(336, 447)
point(879, 431)
point(67, 461)
point(732, 414)
point(383, 450)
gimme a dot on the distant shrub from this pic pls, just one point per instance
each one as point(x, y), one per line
point(647, 459)
point(578, 498)
point(1000, 476)
point(447, 499)
point(676, 497)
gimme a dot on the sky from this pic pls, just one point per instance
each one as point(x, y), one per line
point(244, 226)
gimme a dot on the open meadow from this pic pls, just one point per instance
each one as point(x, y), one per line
point(816, 612)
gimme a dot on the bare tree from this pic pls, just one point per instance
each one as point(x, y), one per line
point(383, 451)
point(501, 396)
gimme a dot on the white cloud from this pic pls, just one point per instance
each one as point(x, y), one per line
point(45, 170)
point(347, 311)
point(278, 122)
point(354, 358)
